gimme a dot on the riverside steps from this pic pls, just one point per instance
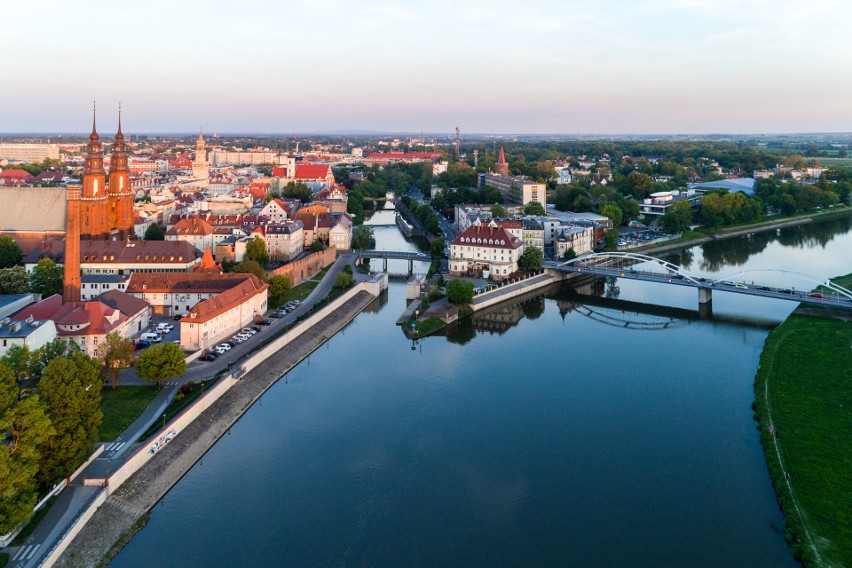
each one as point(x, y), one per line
point(130, 494)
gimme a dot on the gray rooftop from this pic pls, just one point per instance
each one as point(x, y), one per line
point(746, 185)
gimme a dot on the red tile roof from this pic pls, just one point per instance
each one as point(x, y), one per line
point(96, 317)
point(227, 300)
point(312, 171)
point(16, 174)
point(490, 237)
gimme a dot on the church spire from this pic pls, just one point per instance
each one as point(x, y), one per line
point(94, 163)
point(119, 135)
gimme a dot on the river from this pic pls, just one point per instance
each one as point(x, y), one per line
point(559, 431)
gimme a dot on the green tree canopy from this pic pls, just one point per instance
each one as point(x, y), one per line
point(534, 208)
point(614, 212)
point(14, 280)
point(530, 259)
point(46, 278)
point(250, 267)
point(317, 246)
point(26, 426)
point(10, 252)
point(116, 353)
point(160, 363)
point(21, 360)
point(459, 291)
point(343, 280)
point(256, 251)
point(569, 254)
point(279, 285)
point(436, 248)
point(499, 212)
point(154, 232)
point(71, 390)
point(362, 237)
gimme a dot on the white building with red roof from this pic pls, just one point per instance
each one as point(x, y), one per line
point(87, 323)
point(489, 251)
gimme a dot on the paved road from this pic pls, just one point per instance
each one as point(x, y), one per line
point(76, 497)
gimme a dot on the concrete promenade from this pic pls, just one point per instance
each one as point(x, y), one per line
point(115, 521)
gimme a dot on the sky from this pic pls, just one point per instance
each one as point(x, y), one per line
point(535, 66)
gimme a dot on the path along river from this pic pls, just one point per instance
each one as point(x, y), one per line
point(554, 432)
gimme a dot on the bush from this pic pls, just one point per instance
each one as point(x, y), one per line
point(343, 280)
point(460, 291)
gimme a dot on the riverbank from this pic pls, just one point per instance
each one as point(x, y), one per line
point(803, 393)
point(124, 512)
point(739, 231)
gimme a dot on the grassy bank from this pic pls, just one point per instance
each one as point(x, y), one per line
point(299, 292)
point(121, 407)
point(803, 397)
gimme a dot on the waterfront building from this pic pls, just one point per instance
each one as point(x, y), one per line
point(581, 239)
point(658, 203)
point(487, 251)
point(212, 320)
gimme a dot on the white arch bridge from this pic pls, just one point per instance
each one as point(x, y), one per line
point(636, 266)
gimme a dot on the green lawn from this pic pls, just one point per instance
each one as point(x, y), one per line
point(178, 403)
point(299, 292)
point(318, 276)
point(121, 406)
point(804, 386)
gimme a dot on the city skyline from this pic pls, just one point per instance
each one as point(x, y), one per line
point(647, 67)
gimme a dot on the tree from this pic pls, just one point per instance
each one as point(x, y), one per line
point(47, 353)
point(160, 363)
point(10, 252)
point(279, 285)
point(499, 212)
point(256, 251)
point(531, 259)
point(612, 211)
point(317, 246)
point(14, 280)
point(362, 237)
point(436, 248)
point(116, 353)
point(71, 390)
point(250, 267)
point(343, 280)
point(534, 208)
point(611, 239)
point(25, 426)
point(460, 291)
point(8, 387)
point(569, 254)
point(22, 360)
point(154, 233)
point(46, 278)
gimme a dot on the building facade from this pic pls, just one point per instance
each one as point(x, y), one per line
point(488, 251)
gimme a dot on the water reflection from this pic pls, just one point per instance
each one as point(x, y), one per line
point(728, 253)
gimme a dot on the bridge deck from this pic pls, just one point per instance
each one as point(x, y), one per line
point(392, 254)
point(726, 286)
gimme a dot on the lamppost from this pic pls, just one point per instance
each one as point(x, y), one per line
point(164, 420)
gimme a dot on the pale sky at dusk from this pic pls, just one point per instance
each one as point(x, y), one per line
point(641, 66)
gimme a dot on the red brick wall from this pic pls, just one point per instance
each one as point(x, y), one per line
point(304, 268)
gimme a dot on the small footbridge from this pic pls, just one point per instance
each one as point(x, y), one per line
point(636, 266)
point(411, 257)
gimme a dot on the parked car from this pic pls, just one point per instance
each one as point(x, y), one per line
point(140, 345)
point(264, 322)
point(177, 317)
point(224, 346)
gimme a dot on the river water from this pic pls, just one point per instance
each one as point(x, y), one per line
point(565, 430)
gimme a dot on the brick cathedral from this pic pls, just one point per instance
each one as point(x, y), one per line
point(98, 209)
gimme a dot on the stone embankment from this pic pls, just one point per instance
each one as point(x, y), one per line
point(124, 510)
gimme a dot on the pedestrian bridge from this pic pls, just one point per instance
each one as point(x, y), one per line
point(411, 257)
point(636, 266)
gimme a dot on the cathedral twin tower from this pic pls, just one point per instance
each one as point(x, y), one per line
point(97, 210)
point(106, 209)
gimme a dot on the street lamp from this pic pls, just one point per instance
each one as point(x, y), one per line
point(164, 420)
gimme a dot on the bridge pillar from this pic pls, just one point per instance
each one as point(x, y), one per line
point(705, 295)
point(410, 267)
point(705, 311)
point(385, 264)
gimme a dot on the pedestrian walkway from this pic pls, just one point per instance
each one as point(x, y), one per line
point(114, 446)
point(25, 553)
